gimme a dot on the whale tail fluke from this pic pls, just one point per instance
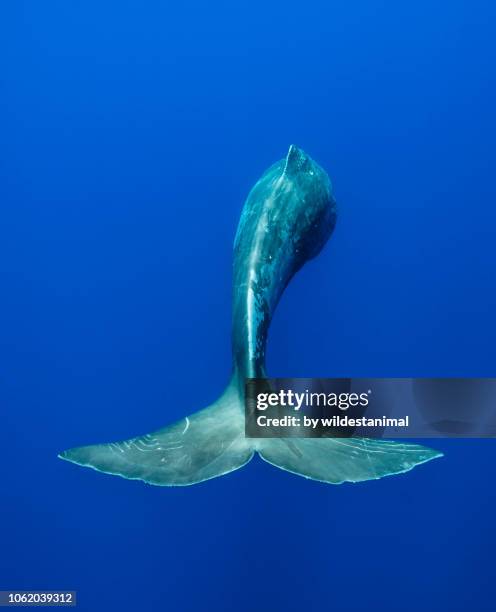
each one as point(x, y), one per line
point(212, 443)
point(207, 444)
point(339, 460)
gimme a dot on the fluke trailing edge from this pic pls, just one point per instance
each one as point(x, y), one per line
point(286, 220)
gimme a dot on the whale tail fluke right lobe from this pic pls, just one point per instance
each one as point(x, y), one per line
point(339, 460)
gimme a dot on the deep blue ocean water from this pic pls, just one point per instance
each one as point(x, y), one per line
point(130, 134)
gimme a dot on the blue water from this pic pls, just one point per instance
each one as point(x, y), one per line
point(131, 133)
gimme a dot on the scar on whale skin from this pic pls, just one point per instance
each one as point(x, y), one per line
point(288, 217)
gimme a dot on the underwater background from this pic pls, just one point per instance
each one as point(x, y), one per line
point(130, 135)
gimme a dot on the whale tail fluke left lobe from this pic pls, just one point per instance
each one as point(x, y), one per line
point(207, 444)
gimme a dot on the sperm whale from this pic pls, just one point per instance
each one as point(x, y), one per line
point(287, 218)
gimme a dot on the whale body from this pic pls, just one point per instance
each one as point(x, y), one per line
point(288, 217)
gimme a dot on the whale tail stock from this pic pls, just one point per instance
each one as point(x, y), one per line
point(212, 443)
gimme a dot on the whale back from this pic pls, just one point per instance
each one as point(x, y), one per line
point(288, 217)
